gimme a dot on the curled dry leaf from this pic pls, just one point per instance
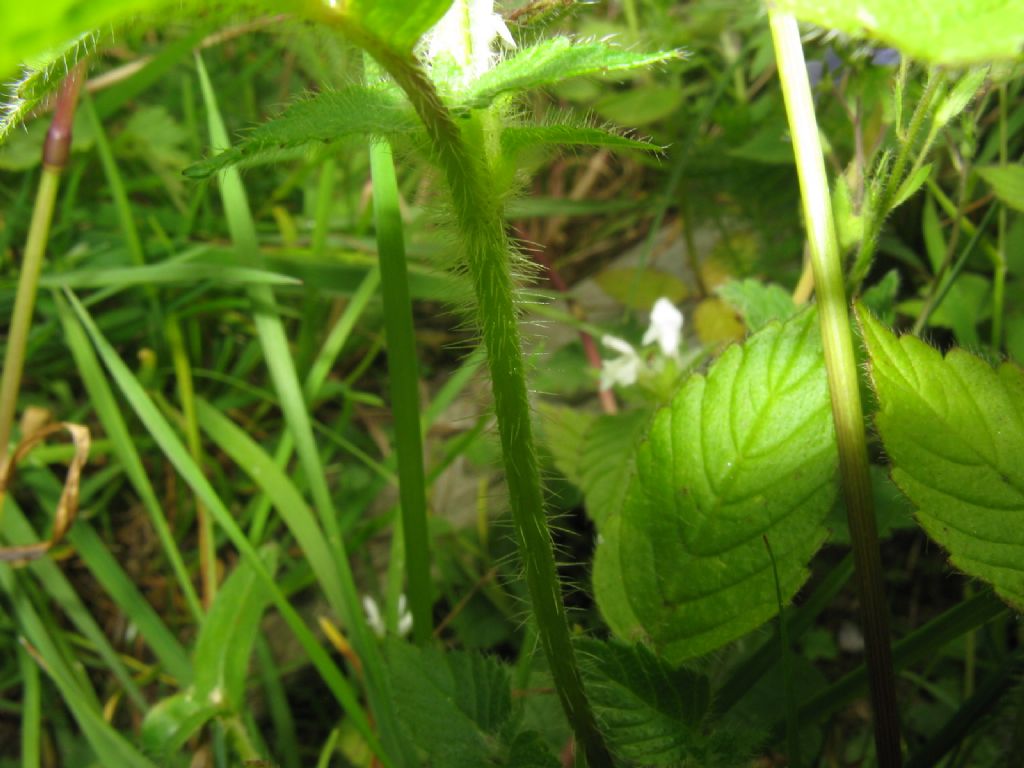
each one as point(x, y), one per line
point(64, 515)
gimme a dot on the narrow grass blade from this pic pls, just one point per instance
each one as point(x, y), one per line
point(282, 371)
point(31, 715)
point(17, 530)
point(404, 382)
point(106, 742)
point(280, 491)
point(177, 454)
point(114, 425)
point(108, 572)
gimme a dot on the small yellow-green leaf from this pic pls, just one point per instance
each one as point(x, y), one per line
point(954, 32)
point(1007, 181)
point(953, 428)
point(639, 290)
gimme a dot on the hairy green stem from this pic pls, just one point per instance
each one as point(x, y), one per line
point(479, 218)
point(879, 209)
point(841, 365)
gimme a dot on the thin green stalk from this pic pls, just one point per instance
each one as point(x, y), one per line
point(403, 374)
point(841, 365)
point(999, 277)
point(879, 209)
point(24, 303)
point(56, 150)
point(480, 221)
point(187, 398)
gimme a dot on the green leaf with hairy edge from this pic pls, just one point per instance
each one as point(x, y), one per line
point(911, 184)
point(353, 111)
point(953, 32)
point(595, 453)
point(28, 29)
point(759, 303)
point(397, 23)
point(518, 138)
point(221, 661)
point(457, 707)
point(953, 428)
point(650, 712)
point(554, 60)
point(746, 452)
point(1007, 181)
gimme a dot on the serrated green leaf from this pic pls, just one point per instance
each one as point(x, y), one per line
point(649, 712)
point(759, 303)
point(326, 117)
point(517, 138)
point(595, 453)
point(606, 462)
point(953, 428)
point(954, 32)
point(221, 661)
point(565, 430)
point(456, 706)
point(1007, 181)
point(554, 60)
point(749, 451)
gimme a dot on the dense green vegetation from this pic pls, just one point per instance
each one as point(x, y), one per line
point(409, 382)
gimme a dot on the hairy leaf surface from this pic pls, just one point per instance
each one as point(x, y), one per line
point(554, 60)
point(953, 428)
point(745, 453)
point(326, 117)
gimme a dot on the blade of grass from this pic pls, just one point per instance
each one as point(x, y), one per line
point(207, 549)
point(286, 743)
point(177, 454)
point(108, 572)
point(278, 358)
point(31, 709)
point(106, 742)
point(281, 492)
point(114, 425)
point(404, 384)
point(17, 530)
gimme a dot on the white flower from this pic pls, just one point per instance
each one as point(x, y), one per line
point(376, 621)
point(623, 369)
point(666, 327)
point(465, 33)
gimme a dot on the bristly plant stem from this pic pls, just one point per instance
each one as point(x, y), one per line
point(878, 209)
point(56, 150)
point(479, 218)
point(841, 365)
